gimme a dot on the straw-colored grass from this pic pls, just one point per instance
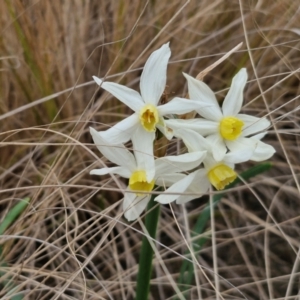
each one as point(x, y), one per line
point(72, 242)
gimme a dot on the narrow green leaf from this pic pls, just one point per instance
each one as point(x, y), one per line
point(13, 214)
point(9, 219)
point(187, 270)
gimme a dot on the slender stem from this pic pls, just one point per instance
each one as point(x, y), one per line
point(214, 244)
point(146, 254)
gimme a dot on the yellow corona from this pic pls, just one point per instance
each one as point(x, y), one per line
point(138, 182)
point(220, 176)
point(231, 128)
point(149, 117)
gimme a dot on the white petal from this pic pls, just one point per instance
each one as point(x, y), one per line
point(154, 76)
point(122, 131)
point(179, 163)
point(142, 142)
point(209, 161)
point(202, 126)
point(259, 136)
point(234, 99)
point(241, 149)
point(166, 180)
point(198, 187)
point(128, 96)
point(193, 140)
point(218, 146)
point(198, 90)
point(181, 106)
point(117, 154)
point(114, 170)
point(176, 189)
point(253, 124)
point(134, 205)
point(262, 151)
point(164, 129)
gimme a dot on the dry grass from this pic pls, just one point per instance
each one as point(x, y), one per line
point(72, 242)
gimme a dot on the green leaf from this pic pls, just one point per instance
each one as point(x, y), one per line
point(13, 214)
point(187, 269)
point(9, 219)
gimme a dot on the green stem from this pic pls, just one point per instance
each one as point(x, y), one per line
point(146, 254)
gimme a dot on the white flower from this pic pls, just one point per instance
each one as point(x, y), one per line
point(225, 127)
point(148, 115)
point(217, 173)
point(135, 169)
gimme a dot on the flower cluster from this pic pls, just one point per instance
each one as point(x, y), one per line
point(220, 138)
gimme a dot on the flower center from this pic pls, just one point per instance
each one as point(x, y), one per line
point(220, 176)
point(231, 128)
point(138, 182)
point(149, 117)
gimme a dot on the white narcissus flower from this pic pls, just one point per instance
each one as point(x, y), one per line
point(225, 127)
point(148, 115)
point(134, 168)
point(217, 173)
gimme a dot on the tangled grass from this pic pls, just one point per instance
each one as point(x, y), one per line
point(71, 241)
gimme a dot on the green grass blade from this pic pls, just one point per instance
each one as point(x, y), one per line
point(13, 214)
point(9, 219)
point(8, 283)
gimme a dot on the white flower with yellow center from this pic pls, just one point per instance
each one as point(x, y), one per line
point(141, 126)
point(134, 168)
point(216, 173)
point(225, 128)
